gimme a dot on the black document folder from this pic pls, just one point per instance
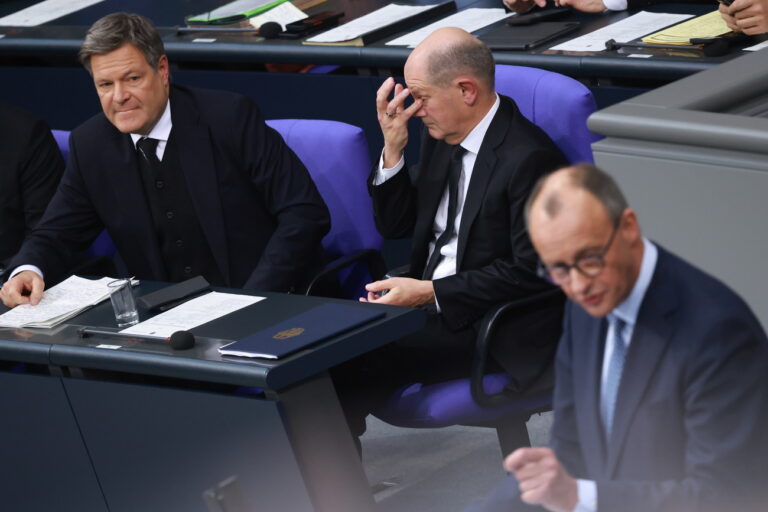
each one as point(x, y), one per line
point(303, 330)
point(527, 37)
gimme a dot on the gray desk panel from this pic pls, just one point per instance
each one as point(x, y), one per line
point(160, 449)
point(45, 464)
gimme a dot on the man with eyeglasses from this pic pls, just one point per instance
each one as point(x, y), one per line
point(661, 398)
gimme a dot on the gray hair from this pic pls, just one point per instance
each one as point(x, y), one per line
point(471, 56)
point(114, 30)
point(587, 177)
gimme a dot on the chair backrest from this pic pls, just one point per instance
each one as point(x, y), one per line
point(336, 155)
point(557, 104)
point(62, 140)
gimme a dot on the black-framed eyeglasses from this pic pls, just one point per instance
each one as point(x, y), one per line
point(590, 265)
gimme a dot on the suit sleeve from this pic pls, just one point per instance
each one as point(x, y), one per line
point(465, 296)
point(725, 400)
point(395, 206)
point(290, 196)
point(42, 169)
point(67, 228)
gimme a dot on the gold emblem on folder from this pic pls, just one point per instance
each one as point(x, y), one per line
point(288, 333)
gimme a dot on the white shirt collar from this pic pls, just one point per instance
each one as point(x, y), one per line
point(628, 310)
point(474, 138)
point(162, 129)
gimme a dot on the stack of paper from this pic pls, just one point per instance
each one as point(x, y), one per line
point(468, 19)
point(705, 27)
point(59, 303)
point(622, 31)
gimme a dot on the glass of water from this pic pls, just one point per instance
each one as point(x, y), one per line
point(121, 295)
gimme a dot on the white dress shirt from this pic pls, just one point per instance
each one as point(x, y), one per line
point(626, 311)
point(471, 143)
point(161, 131)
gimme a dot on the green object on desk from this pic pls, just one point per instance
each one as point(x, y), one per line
point(239, 10)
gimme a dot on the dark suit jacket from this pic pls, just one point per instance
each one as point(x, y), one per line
point(30, 169)
point(258, 208)
point(689, 433)
point(495, 260)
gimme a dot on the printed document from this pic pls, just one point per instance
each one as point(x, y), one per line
point(60, 303)
point(707, 26)
point(45, 11)
point(469, 20)
point(192, 313)
point(622, 31)
point(370, 22)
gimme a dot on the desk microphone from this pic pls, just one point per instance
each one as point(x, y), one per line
point(180, 340)
point(268, 30)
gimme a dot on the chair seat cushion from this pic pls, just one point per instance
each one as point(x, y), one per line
point(451, 403)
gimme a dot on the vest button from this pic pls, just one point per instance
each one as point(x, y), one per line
point(179, 243)
point(169, 215)
point(187, 270)
point(159, 184)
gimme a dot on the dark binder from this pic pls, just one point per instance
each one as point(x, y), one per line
point(301, 331)
point(527, 37)
point(396, 26)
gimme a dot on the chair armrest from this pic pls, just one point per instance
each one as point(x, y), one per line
point(371, 257)
point(488, 326)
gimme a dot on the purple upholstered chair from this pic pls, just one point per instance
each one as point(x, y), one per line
point(560, 106)
point(336, 155)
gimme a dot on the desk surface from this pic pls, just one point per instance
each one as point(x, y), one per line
point(64, 347)
point(60, 39)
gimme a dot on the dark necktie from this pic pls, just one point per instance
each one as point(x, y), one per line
point(454, 173)
point(613, 378)
point(147, 149)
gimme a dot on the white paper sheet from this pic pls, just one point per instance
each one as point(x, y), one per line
point(192, 313)
point(758, 46)
point(469, 20)
point(59, 303)
point(639, 25)
point(283, 14)
point(232, 9)
point(45, 11)
point(368, 23)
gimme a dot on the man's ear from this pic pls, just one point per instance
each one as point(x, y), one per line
point(163, 68)
point(468, 90)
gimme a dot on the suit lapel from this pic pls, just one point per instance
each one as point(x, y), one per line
point(197, 163)
point(433, 184)
point(485, 165)
point(588, 357)
point(128, 195)
point(650, 340)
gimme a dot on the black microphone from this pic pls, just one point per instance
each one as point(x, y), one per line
point(270, 30)
point(180, 340)
point(712, 48)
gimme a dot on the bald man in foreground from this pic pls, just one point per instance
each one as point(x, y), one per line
point(463, 207)
point(661, 399)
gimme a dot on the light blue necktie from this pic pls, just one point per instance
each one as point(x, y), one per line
point(615, 367)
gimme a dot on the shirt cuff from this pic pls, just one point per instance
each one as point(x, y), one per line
point(615, 5)
point(383, 174)
point(587, 490)
point(22, 268)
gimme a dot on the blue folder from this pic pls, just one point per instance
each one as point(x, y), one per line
point(312, 326)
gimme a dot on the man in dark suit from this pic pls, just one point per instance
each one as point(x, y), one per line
point(661, 398)
point(463, 206)
point(187, 182)
point(29, 174)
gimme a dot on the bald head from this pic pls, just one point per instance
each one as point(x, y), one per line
point(451, 52)
point(550, 192)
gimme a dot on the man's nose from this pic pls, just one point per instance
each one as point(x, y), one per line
point(579, 283)
point(120, 93)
